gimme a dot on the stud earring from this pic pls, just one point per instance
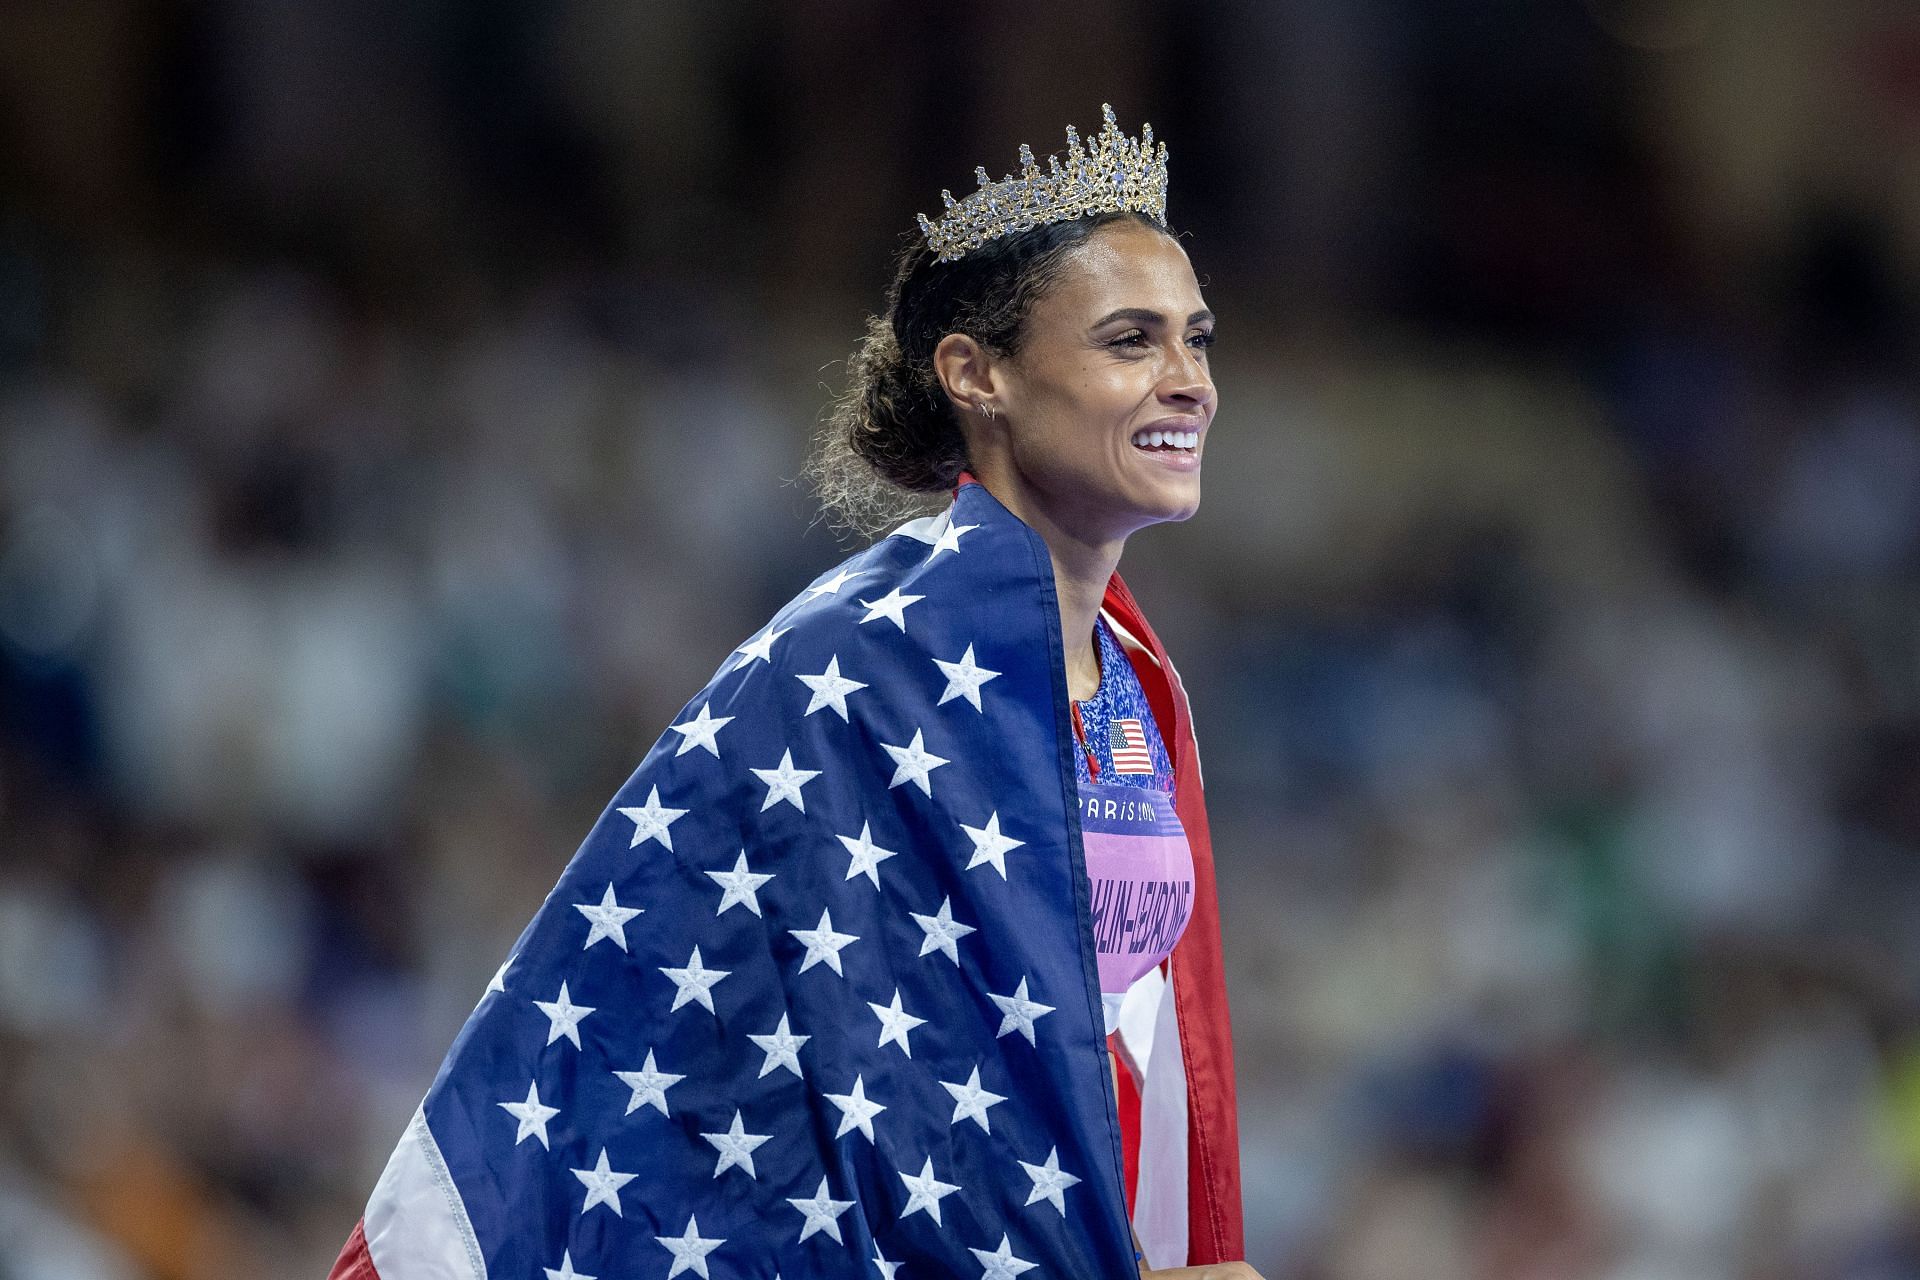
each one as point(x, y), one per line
point(988, 410)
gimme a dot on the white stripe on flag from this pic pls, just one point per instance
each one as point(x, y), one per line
point(1150, 1034)
point(416, 1225)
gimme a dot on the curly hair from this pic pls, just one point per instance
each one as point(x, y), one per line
point(891, 440)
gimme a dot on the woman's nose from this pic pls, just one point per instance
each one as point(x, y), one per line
point(1187, 380)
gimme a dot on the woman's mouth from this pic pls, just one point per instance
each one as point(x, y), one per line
point(1166, 441)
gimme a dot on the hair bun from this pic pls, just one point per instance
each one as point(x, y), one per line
point(904, 428)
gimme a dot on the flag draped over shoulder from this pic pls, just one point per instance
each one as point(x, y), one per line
point(817, 996)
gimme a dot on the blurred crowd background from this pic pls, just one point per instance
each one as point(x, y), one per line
point(399, 406)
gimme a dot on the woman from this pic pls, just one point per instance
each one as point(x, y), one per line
point(829, 988)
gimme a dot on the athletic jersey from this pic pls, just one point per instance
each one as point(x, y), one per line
point(1139, 864)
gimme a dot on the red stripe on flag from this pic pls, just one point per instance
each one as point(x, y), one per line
point(1127, 1100)
point(354, 1262)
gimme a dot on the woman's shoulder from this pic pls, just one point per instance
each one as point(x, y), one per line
point(959, 567)
point(948, 602)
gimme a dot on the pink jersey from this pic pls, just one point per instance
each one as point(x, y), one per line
point(1141, 872)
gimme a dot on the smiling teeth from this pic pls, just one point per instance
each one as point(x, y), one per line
point(1167, 439)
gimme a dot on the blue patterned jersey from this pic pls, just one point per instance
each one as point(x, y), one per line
point(1120, 701)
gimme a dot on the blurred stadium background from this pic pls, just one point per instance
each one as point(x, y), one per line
point(398, 400)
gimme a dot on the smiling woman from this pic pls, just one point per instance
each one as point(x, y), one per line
point(1060, 362)
point(1064, 367)
point(1092, 424)
point(1031, 311)
point(969, 1012)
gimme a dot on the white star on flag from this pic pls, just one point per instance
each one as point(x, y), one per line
point(609, 919)
point(823, 1213)
point(830, 689)
point(701, 731)
point(603, 1185)
point(532, 1116)
point(831, 587)
point(1021, 1012)
point(823, 944)
point(696, 983)
point(563, 1016)
point(970, 1101)
point(736, 1147)
point(651, 820)
point(914, 763)
point(784, 783)
point(989, 846)
point(649, 1085)
point(689, 1250)
point(964, 679)
point(867, 856)
point(942, 930)
point(498, 982)
point(782, 1049)
point(949, 539)
point(565, 1271)
point(1000, 1263)
point(856, 1110)
point(1049, 1182)
point(742, 886)
point(926, 1191)
point(892, 606)
point(760, 648)
point(880, 1260)
point(895, 1022)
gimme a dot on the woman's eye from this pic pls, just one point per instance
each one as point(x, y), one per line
point(1135, 338)
point(1201, 340)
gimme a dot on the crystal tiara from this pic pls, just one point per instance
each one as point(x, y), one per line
point(1111, 174)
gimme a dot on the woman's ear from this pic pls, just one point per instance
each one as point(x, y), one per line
point(966, 372)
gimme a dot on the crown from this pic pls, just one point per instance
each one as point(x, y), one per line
point(1112, 174)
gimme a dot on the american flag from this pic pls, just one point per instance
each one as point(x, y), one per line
point(817, 996)
point(1127, 741)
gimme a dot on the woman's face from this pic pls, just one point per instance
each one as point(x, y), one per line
point(1113, 357)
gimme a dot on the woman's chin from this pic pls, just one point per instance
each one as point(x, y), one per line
point(1169, 505)
point(1178, 496)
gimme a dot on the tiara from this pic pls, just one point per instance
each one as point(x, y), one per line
point(1113, 173)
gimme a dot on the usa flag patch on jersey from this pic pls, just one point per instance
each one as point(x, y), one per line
point(1128, 742)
